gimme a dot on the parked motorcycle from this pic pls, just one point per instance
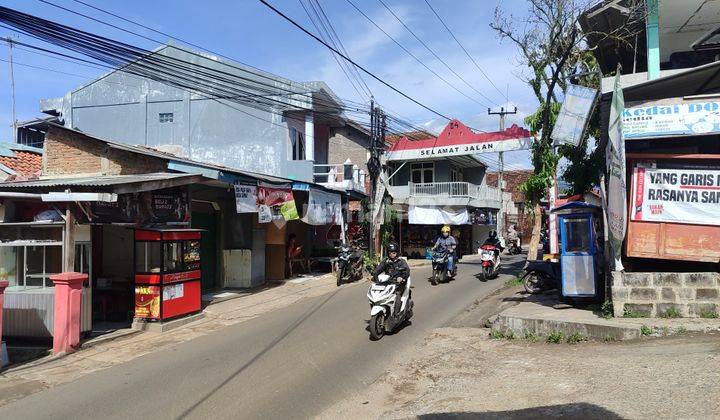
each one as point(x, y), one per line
point(382, 306)
point(490, 261)
point(350, 265)
point(541, 276)
point(440, 271)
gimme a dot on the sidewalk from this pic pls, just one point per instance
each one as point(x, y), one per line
point(18, 381)
point(541, 315)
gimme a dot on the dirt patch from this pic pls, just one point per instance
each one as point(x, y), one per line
point(462, 373)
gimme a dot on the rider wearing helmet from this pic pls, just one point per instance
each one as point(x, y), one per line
point(397, 268)
point(447, 243)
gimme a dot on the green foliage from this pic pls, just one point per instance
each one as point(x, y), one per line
point(531, 335)
point(555, 337)
point(645, 330)
point(671, 312)
point(607, 310)
point(609, 338)
point(709, 315)
point(497, 335)
point(517, 281)
point(627, 313)
point(369, 263)
point(510, 334)
point(575, 338)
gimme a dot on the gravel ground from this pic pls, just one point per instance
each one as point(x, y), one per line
point(462, 373)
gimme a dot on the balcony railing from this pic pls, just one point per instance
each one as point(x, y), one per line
point(454, 190)
point(345, 174)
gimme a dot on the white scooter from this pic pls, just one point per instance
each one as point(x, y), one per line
point(490, 259)
point(382, 306)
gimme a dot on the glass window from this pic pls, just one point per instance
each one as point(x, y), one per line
point(8, 265)
point(82, 258)
point(147, 257)
point(34, 266)
point(422, 172)
point(191, 256)
point(173, 257)
point(416, 177)
point(577, 235)
point(166, 117)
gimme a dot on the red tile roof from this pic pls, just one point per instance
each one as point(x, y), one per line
point(25, 164)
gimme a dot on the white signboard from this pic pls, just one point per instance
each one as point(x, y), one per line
point(246, 198)
point(671, 117)
point(676, 195)
point(504, 145)
point(173, 291)
point(433, 215)
point(572, 119)
point(324, 208)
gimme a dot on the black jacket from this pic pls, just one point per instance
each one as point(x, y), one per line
point(395, 269)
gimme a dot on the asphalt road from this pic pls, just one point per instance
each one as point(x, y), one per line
point(290, 363)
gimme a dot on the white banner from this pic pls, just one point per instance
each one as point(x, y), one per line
point(573, 117)
point(324, 208)
point(504, 145)
point(246, 198)
point(671, 117)
point(432, 215)
point(676, 195)
point(617, 186)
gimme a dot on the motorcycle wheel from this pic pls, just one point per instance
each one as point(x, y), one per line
point(533, 283)
point(434, 278)
point(377, 326)
point(341, 275)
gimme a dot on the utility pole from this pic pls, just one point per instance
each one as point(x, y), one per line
point(501, 214)
point(377, 147)
point(12, 87)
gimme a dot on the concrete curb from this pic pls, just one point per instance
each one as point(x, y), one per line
point(166, 326)
point(105, 338)
point(520, 325)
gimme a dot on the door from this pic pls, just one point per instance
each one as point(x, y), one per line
point(208, 247)
point(577, 255)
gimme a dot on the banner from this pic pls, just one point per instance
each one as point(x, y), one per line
point(245, 198)
point(617, 188)
point(676, 195)
point(433, 215)
point(574, 113)
point(324, 208)
point(166, 206)
point(671, 117)
point(276, 203)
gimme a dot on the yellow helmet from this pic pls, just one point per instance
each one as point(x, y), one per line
point(445, 228)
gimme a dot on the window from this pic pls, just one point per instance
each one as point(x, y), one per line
point(456, 175)
point(577, 235)
point(422, 172)
point(297, 144)
point(30, 267)
point(166, 117)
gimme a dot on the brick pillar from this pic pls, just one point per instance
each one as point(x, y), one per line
point(68, 300)
point(3, 351)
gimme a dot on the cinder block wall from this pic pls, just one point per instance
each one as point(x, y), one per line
point(652, 294)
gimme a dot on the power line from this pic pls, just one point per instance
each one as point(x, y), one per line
point(432, 51)
point(310, 34)
point(42, 68)
point(466, 51)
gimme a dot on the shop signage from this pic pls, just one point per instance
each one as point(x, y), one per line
point(324, 208)
point(147, 301)
point(671, 117)
point(504, 145)
point(276, 203)
point(574, 113)
point(245, 198)
point(676, 195)
point(166, 206)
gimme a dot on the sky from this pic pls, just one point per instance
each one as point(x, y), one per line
point(251, 33)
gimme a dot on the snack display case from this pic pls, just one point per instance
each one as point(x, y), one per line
point(167, 273)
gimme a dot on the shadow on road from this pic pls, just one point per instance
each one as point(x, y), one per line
point(562, 411)
point(255, 358)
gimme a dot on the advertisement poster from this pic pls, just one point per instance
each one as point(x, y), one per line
point(616, 206)
point(676, 195)
point(173, 291)
point(147, 301)
point(574, 114)
point(166, 206)
point(671, 117)
point(324, 208)
point(276, 203)
point(246, 198)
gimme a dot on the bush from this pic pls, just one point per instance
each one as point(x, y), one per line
point(709, 315)
point(609, 338)
point(607, 309)
point(575, 338)
point(497, 335)
point(627, 313)
point(531, 335)
point(555, 337)
point(671, 312)
point(645, 330)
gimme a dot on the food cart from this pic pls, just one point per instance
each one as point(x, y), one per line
point(167, 273)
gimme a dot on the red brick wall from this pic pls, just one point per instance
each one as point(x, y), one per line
point(71, 153)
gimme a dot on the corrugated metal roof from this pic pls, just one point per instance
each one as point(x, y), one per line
point(98, 181)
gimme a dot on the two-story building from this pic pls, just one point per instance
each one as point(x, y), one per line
point(670, 80)
point(440, 180)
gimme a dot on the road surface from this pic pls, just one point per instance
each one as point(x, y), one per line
point(289, 363)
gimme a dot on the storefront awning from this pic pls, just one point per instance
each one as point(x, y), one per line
point(117, 184)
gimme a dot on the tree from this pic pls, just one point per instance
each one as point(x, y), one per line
point(551, 45)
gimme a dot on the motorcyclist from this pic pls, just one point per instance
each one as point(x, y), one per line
point(512, 237)
point(493, 240)
point(398, 269)
point(447, 243)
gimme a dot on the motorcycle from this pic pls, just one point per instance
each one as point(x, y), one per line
point(382, 306)
point(541, 276)
point(350, 265)
point(514, 248)
point(490, 261)
point(440, 271)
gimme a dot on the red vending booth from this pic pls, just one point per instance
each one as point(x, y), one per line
point(167, 273)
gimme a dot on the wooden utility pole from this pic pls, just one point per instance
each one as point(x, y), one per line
point(501, 214)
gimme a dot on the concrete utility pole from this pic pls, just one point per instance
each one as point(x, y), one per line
point(12, 87)
point(377, 147)
point(501, 214)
